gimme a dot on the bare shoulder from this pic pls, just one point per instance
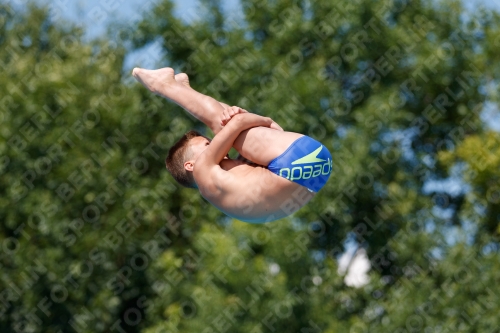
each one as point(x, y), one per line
point(213, 181)
point(204, 178)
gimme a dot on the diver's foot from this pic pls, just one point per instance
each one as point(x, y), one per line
point(157, 81)
point(182, 78)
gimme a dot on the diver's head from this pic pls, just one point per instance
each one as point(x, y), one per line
point(182, 156)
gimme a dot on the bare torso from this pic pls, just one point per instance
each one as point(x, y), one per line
point(252, 193)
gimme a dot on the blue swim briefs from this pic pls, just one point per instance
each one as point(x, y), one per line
point(306, 162)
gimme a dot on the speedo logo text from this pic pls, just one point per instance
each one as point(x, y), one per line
point(307, 171)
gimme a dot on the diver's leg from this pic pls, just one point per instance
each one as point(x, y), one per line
point(258, 144)
point(261, 145)
point(162, 82)
point(183, 78)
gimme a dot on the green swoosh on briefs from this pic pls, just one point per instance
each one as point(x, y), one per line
point(309, 158)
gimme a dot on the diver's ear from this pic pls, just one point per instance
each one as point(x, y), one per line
point(189, 165)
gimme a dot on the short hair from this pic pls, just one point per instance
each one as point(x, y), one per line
point(177, 155)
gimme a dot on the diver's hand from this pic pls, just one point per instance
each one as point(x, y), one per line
point(229, 112)
point(275, 126)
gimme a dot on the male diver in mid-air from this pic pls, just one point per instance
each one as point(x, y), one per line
point(286, 168)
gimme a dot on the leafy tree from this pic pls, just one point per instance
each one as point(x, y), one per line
point(96, 237)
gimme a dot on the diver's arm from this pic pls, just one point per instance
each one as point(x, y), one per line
point(224, 140)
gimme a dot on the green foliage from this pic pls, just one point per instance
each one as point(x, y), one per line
point(96, 237)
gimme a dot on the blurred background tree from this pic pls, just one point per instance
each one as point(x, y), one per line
point(97, 237)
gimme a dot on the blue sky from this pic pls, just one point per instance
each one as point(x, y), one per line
point(95, 15)
point(471, 4)
point(83, 12)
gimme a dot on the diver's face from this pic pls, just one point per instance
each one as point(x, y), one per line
point(197, 145)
